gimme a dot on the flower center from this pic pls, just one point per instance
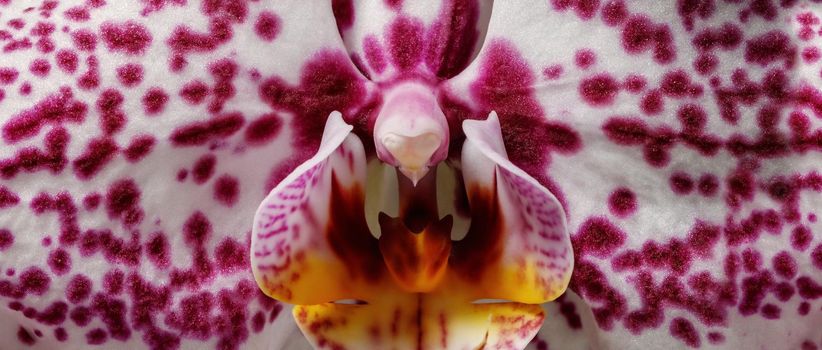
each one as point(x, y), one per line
point(411, 132)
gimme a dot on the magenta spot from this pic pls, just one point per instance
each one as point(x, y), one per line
point(8, 198)
point(684, 330)
point(54, 314)
point(139, 148)
point(693, 118)
point(784, 265)
point(112, 118)
point(8, 75)
point(231, 255)
point(638, 35)
point(113, 282)
point(84, 40)
point(681, 183)
point(769, 47)
point(675, 83)
point(60, 334)
point(622, 202)
point(553, 71)
point(40, 67)
point(808, 288)
point(96, 336)
point(708, 185)
point(811, 54)
point(54, 109)
point(81, 316)
point(154, 101)
point(771, 311)
point(754, 290)
point(263, 129)
point(343, 13)
point(199, 133)
point(59, 261)
point(585, 58)
point(158, 250)
point(703, 237)
point(25, 337)
point(91, 201)
point(194, 92)
point(226, 190)
point(405, 42)
point(77, 14)
point(374, 53)
point(599, 90)
point(203, 168)
point(97, 154)
point(327, 83)
point(130, 75)
point(635, 83)
point(267, 26)
point(78, 289)
point(258, 322)
point(197, 229)
point(816, 257)
point(569, 311)
point(626, 131)
point(122, 201)
point(599, 237)
point(129, 37)
point(652, 103)
point(35, 280)
point(804, 308)
point(614, 12)
point(6, 239)
point(706, 64)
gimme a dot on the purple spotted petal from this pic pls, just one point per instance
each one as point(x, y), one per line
point(682, 139)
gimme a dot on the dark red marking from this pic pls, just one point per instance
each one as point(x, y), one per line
point(98, 153)
point(67, 60)
point(59, 261)
point(84, 40)
point(267, 26)
point(585, 58)
point(200, 133)
point(78, 289)
point(154, 101)
point(203, 168)
point(599, 90)
point(770, 47)
point(230, 255)
point(194, 92)
point(6, 239)
point(226, 190)
point(263, 129)
point(130, 37)
point(343, 13)
point(139, 147)
point(614, 12)
point(55, 109)
point(685, 331)
point(622, 202)
point(122, 202)
point(405, 42)
point(130, 75)
point(599, 237)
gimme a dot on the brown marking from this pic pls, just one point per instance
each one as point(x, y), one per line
point(483, 244)
point(348, 235)
point(416, 261)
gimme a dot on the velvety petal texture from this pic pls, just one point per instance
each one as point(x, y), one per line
point(677, 142)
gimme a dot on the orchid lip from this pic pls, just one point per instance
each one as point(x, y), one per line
point(314, 230)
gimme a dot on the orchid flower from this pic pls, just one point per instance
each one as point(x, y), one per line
point(424, 174)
